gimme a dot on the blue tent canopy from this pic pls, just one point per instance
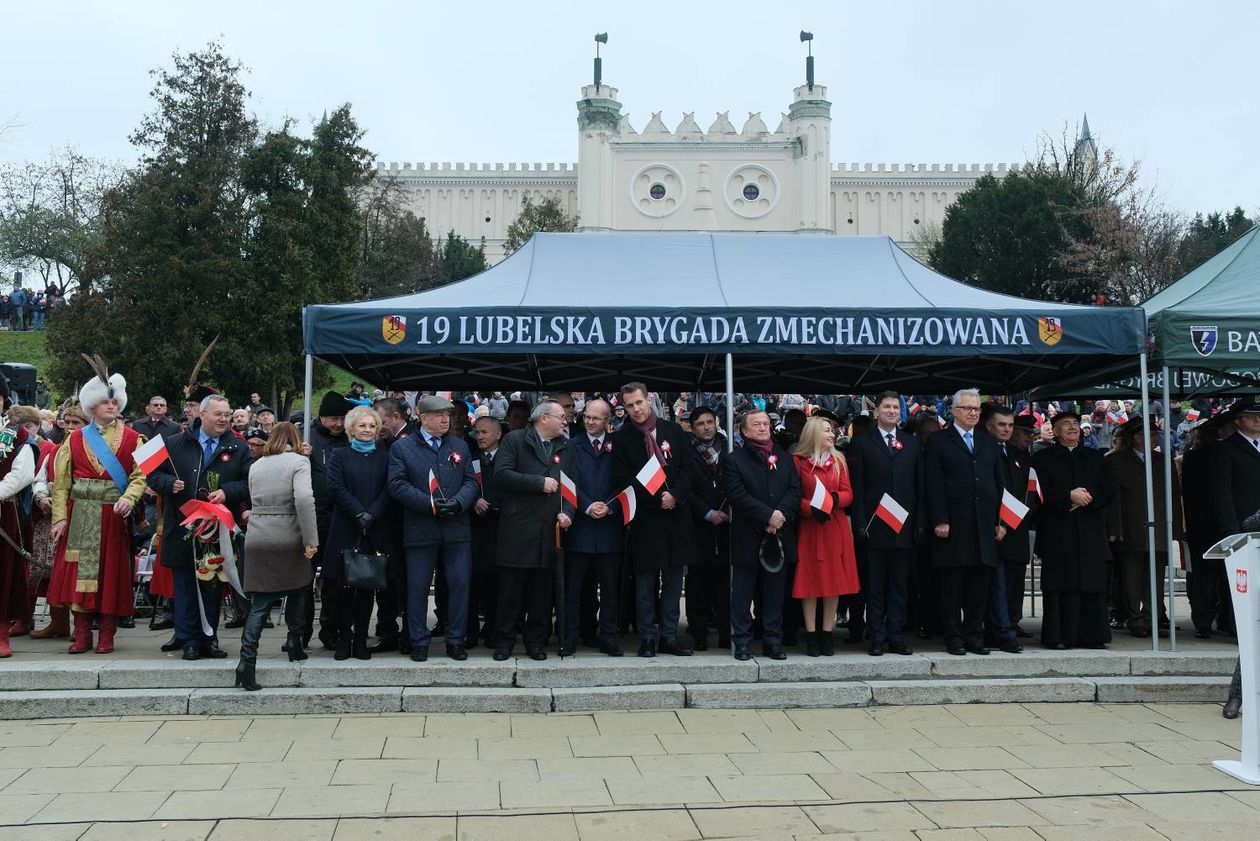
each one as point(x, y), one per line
point(810, 313)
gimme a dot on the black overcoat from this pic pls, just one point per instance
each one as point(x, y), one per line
point(712, 542)
point(964, 490)
point(485, 527)
point(1016, 547)
point(755, 492)
point(876, 469)
point(1196, 484)
point(358, 483)
point(230, 463)
point(657, 539)
point(1072, 544)
point(1235, 483)
point(1126, 515)
point(527, 524)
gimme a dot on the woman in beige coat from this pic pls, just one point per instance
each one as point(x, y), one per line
point(281, 540)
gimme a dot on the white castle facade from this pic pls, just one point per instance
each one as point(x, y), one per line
point(693, 179)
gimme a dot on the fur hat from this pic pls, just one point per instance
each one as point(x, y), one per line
point(102, 387)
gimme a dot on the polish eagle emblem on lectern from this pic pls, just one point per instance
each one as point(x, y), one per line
point(394, 328)
point(1240, 580)
point(1050, 329)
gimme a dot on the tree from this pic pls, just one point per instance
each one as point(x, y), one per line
point(459, 258)
point(396, 251)
point(547, 215)
point(1205, 236)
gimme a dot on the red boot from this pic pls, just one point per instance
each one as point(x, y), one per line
point(82, 633)
point(5, 650)
point(19, 628)
point(58, 625)
point(105, 644)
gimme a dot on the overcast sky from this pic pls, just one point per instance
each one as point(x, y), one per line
point(911, 82)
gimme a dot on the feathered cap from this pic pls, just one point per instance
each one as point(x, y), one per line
point(104, 386)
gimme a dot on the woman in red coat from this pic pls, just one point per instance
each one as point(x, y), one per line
point(827, 564)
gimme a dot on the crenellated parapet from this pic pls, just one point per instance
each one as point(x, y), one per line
point(973, 170)
point(721, 130)
point(383, 168)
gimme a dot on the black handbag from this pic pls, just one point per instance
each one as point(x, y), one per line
point(365, 570)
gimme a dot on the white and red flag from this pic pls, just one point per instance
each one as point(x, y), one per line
point(820, 499)
point(1192, 415)
point(1034, 484)
point(477, 471)
point(651, 475)
point(433, 491)
point(891, 512)
point(151, 455)
point(626, 498)
point(1013, 511)
point(568, 490)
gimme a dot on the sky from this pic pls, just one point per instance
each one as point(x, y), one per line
point(952, 81)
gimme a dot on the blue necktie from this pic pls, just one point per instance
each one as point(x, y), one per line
point(205, 459)
point(971, 447)
point(435, 443)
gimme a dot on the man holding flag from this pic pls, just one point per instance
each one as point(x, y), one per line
point(1013, 550)
point(653, 456)
point(530, 468)
point(207, 463)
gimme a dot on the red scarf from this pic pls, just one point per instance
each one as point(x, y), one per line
point(648, 429)
point(763, 449)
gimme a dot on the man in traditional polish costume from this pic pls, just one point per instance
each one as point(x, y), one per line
point(17, 471)
point(98, 483)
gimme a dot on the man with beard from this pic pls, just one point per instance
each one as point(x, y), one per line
point(709, 574)
point(661, 537)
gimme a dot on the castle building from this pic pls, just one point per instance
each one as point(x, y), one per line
point(693, 179)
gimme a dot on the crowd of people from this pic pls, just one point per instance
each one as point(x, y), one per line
point(584, 518)
point(23, 308)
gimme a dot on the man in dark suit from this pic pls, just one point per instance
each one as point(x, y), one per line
point(435, 521)
point(1236, 469)
point(885, 460)
point(964, 492)
point(594, 543)
point(484, 592)
point(764, 489)
point(327, 434)
point(527, 469)
point(155, 422)
point(1013, 550)
point(1206, 584)
point(211, 464)
point(391, 603)
point(661, 538)
point(709, 574)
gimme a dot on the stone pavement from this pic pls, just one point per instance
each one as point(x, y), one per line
point(924, 773)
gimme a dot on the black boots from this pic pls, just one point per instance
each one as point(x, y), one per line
point(295, 617)
point(245, 677)
point(250, 634)
point(354, 614)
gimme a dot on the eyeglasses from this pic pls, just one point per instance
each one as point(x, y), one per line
point(966, 408)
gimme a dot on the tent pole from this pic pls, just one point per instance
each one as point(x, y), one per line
point(1168, 511)
point(1150, 499)
point(730, 404)
point(308, 385)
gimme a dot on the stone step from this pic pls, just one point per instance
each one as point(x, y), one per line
point(344, 700)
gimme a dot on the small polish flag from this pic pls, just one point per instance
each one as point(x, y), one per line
point(820, 499)
point(914, 409)
point(1192, 415)
point(1034, 484)
point(651, 475)
point(626, 498)
point(891, 512)
point(433, 490)
point(1013, 511)
point(568, 490)
point(151, 455)
point(477, 471)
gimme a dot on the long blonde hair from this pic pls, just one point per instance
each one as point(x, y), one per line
point(811, 445)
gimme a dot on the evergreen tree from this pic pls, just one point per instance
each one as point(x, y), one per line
point(547, 215)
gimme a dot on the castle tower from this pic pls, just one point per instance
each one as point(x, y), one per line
point(599, 120)
point(809, 124)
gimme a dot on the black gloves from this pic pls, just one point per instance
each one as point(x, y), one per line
point(820, 516)
point(365, 520)
point(835, 501)
point(447, 507)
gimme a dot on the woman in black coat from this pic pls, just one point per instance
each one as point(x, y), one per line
point(363, 517)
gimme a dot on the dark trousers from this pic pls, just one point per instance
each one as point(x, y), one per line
point(1208, 589)
point(391, 604)
point(709, 600)
point(750, 579)
point(997, 622)
point(187, 616)
point(588, 612)
point(1135, 588)
point(887, 572)
point(524, 594)
point(1015, 573)
point(583, 567)
point(354, 610)
point(925, 593)
point(964, 594)
point(668, 583)
point(456, 561)
point(483, 596)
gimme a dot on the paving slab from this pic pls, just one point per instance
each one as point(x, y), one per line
point(400, 671)
point(1181, 663)
point(479, 699)
point(81, 703)
point(1033, 662)
point(843, 668)
point(777, 695)
point(412, 829)
point(295, 701)
point(1010, 690)
point(668, 825)
point(1163, 689)
point(27, 676)
point(183, 674)
point(637, 697)
point(604, 671)
point(181, 830)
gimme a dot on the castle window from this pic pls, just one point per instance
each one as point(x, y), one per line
point(657, 191)
point(751, 192)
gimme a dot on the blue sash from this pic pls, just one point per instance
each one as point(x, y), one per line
point(105, 456)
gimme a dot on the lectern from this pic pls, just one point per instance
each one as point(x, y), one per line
point(1241, 555)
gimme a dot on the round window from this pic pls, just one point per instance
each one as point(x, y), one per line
point(751, 192)
point(657, 191)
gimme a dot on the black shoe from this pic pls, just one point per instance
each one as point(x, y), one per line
point(245, 678)
point(192, 651)
point(1012, 647)
point(404, 647)
point(457, 652)
point(1201, 633)
point(611, 648)
point(976, 649)
point(1022, 634)
point(647, 648)
point(826, 643)
point(211, 651)
point(161, 625)
point(812, 646)
point(502, 654)
point(1232, 708)
point(956, 650)
point(172, 644)
point(700, 644)
point(1140, 633)
point(294, 648)
point(384, 644)
point(774, 652)
point(238, 622)
point(361, 651)
point(419, 655)
point(674, 647)
point(126, 621)
point(876, 649)
point(343, 649)
point(537, 654)
point(899, 648)
point(742, 652)
point(1058, 646)
point(567, 650)
point(327, 638)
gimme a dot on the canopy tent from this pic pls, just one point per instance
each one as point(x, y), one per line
point(802, 313)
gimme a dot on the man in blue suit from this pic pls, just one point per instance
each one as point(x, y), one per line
point(435, 522)
point(594, 542)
